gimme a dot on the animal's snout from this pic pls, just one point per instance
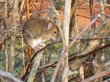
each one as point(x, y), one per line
point(55, 39)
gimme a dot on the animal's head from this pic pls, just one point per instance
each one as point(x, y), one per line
point(53, 31)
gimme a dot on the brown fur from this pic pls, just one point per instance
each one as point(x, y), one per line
point(36, 28)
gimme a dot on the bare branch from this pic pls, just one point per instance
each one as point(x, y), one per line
point(66, 50)
point(104, 73)
point(9, 76)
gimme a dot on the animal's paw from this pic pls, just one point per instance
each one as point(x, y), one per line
point(39, 47)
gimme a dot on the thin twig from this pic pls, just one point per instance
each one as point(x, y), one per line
point(104, 73)
point(9, 76)
point(66, 50)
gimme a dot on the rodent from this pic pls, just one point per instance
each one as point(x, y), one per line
point(36, 31)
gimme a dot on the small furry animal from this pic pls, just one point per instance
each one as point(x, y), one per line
point(36, 31)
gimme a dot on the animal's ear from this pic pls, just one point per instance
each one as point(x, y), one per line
point(49, 25)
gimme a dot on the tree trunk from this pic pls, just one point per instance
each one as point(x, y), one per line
point(13, 35)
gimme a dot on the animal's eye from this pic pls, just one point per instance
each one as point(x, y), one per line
point(55, 32)
point(28, 36)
